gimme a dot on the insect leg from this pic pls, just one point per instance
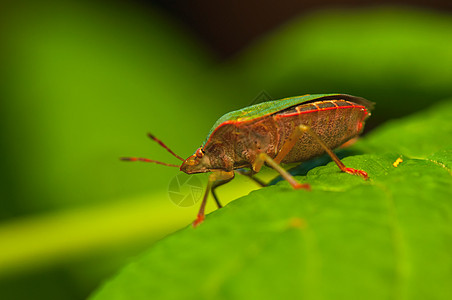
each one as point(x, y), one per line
point(263, 157)
point(250, 174)
point(214, 178)
point(303, 128)
point(220, 182)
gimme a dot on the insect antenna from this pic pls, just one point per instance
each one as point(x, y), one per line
point(148, 160)
point(152, 137)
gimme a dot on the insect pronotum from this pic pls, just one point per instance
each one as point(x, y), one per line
point(282, 131)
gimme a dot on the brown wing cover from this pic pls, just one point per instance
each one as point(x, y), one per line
point(335, 121)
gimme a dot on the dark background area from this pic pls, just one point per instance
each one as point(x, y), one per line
point(229, 26)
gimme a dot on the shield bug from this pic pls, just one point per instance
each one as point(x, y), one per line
point(289, 130)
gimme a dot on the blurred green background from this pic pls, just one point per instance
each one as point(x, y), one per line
point(83, 82)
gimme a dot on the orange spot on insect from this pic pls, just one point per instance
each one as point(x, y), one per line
point(397, 162)
point(360, 126)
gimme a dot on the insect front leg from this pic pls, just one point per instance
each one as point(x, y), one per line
point(216, 179)
point(298, 132)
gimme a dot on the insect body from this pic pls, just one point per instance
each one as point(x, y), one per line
point(283, 131)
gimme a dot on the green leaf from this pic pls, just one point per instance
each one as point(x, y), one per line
point(419, 135)
point(386, 238)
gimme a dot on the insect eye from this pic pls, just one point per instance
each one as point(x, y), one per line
point(199, 153)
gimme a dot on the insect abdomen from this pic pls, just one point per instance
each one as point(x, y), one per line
point(335, 121)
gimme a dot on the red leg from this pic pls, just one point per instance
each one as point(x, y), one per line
point(296, 135)
point(215, 179)
point(339, 163)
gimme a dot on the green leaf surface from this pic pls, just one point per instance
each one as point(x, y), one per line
point(386, 238)
point(419, 135)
